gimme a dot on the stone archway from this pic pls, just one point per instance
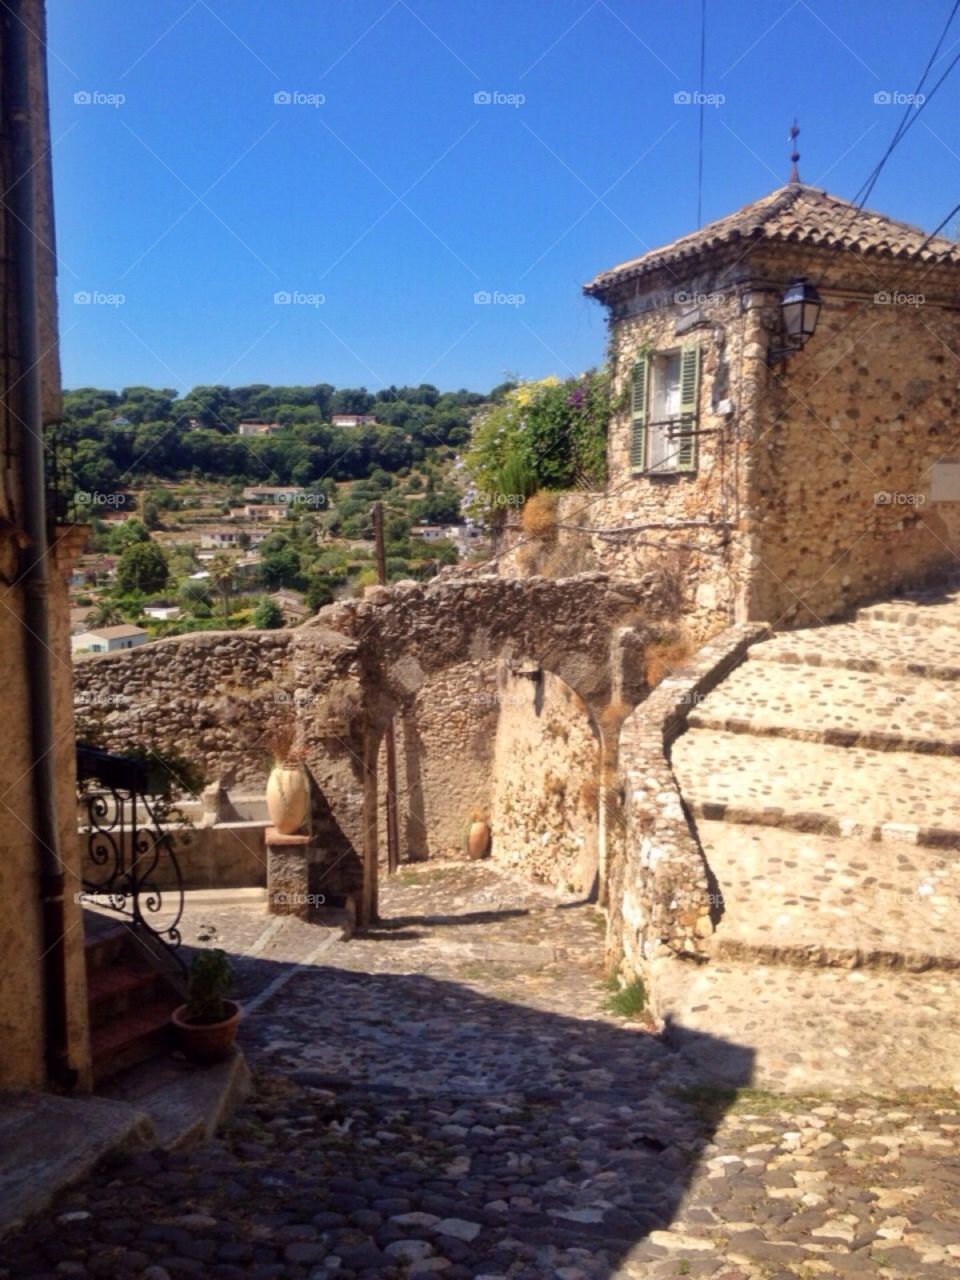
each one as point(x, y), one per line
point(590, 632)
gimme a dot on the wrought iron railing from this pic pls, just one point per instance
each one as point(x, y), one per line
point(129, 860)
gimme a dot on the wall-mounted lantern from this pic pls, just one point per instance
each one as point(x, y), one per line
point(799, 311)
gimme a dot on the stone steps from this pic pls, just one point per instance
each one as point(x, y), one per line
point(933, 653)
point(812, 787)
point(812, 900)
point(838, 706)
point(813, 1029)
point(913, 614)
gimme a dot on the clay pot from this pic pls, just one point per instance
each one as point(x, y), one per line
point(207, 1041)
point(288, 797)
point(478, 840)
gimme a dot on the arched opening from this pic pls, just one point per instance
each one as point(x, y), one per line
point(503, 742)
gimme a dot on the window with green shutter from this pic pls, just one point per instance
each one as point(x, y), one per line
point(670, 423)
point(686, 440)
point(638, 413)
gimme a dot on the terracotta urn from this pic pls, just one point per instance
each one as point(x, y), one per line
point(478, 839)
point(288, 797)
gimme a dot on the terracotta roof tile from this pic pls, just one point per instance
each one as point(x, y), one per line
point(792, 214)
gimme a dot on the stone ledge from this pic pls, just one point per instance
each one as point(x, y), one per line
point(661, 905)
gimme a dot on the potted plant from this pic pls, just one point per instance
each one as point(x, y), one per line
point(207, 1024)
point(288, 788)
point(477, 838)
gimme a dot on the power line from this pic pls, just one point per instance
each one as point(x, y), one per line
point(703, 48)
point(911, 111)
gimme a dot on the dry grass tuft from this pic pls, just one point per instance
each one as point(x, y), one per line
point(539, 516)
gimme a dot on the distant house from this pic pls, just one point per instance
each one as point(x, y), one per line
point(274, 495)
point(354, 420)
point(431, 532)
point(291, 604)
point(218, 539)
point(109, 639)
point(120, 421)
point(162, 612)
point(259, 428)
point(247, 568)
point(266, 511)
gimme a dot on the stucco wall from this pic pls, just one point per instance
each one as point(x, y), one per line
point(21, 939)
point(445, 747)
point(546, 783)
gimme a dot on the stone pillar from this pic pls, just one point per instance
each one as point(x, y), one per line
point(288, 874)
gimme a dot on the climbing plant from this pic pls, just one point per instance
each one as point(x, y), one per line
point(542, 435)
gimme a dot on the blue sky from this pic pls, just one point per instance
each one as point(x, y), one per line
point(382, 210)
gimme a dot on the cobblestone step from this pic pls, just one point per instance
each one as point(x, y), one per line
point(814, 1029)
point(835, 705)
point(934, 653)
point(809, 786)
point(797, 899)
point(918, 612)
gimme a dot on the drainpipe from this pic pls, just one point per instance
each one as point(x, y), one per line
point(33, 577)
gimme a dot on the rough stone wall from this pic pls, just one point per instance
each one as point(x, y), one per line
point(839, 487)
point(445, 747)
point(21, 939)
point(660, 900)
point(208, 696)
point(546, 783)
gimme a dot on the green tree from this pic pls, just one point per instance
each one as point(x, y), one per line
point(319, 593)
point(142, 567)
point(104, 613)
point(267, 615)
point(221, 578)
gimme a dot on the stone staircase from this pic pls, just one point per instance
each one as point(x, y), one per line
point(823, 776)
point(129, 1001)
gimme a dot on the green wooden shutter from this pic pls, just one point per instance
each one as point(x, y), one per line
point(686, 442)
point(638, 413)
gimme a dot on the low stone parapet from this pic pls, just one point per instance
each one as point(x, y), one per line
point(660, 897)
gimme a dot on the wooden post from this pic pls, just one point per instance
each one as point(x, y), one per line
point(390, 746)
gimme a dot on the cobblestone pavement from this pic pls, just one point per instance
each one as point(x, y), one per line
point(451, 1096)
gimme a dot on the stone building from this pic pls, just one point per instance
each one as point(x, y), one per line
point(788, 481)
point(43, 1005)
